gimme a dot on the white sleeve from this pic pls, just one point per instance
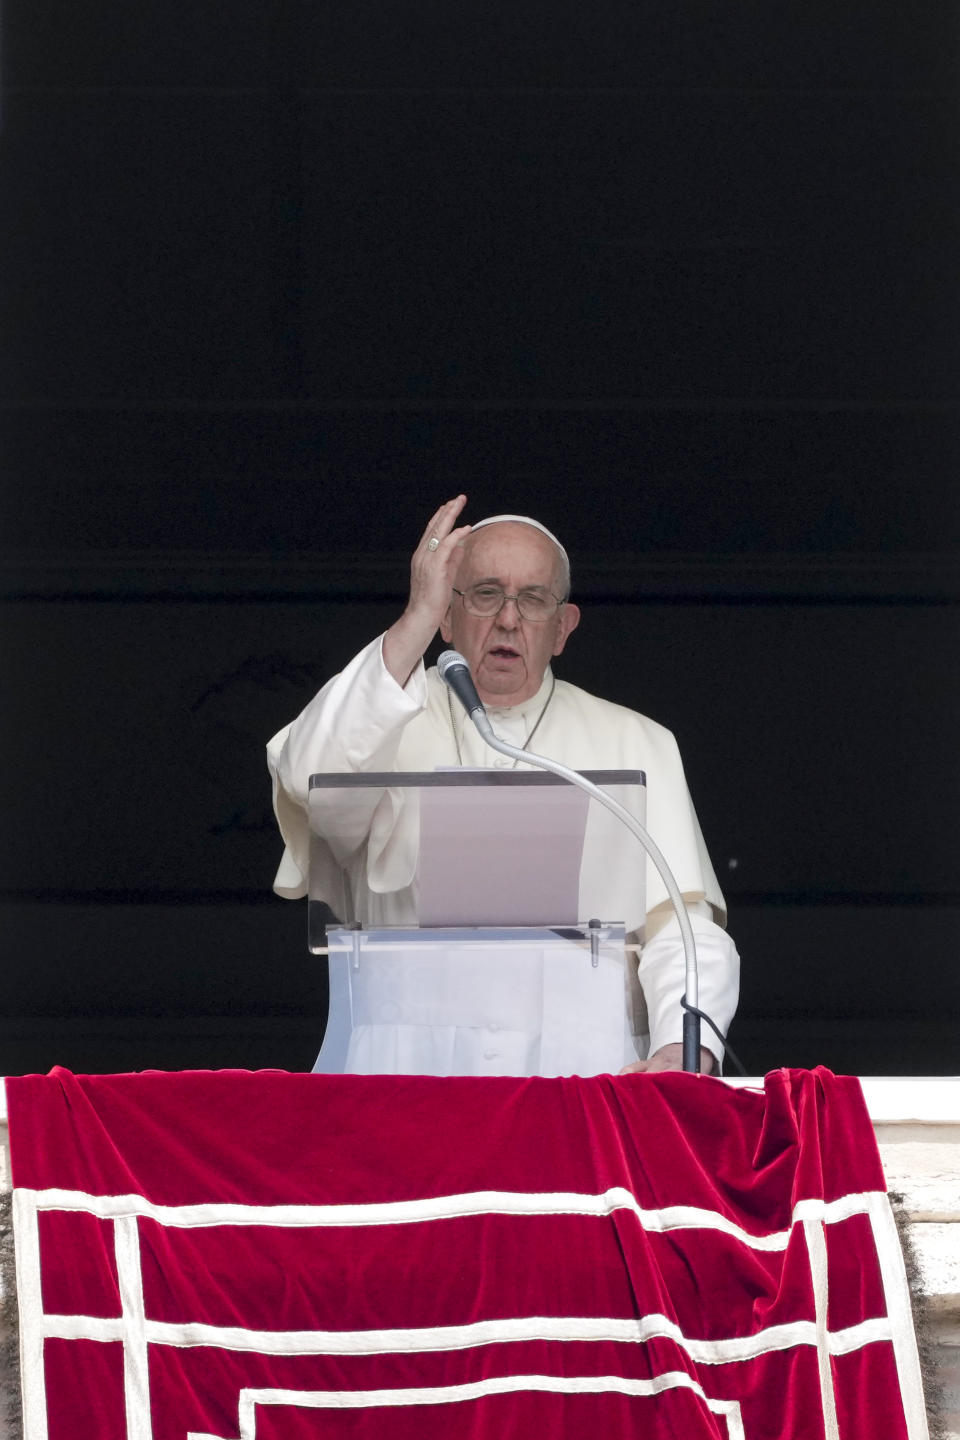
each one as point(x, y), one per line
point(354, 723)
point(662, 973)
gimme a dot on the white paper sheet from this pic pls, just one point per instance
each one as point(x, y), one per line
point(496, 855)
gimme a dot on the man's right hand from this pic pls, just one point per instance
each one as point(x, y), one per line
point(432, 573)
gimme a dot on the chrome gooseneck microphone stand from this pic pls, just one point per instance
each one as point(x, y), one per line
point(453, 669)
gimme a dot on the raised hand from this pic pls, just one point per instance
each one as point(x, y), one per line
point(433, 569)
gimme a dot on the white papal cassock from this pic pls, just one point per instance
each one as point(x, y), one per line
point(362, 720)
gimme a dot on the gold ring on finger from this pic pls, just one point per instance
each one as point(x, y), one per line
point(433, 543)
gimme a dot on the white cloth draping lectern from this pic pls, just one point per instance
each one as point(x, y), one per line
point(482, 922)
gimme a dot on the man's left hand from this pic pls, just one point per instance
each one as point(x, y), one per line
point(669, 1057)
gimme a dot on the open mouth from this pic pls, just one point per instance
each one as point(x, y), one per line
point(504, 652)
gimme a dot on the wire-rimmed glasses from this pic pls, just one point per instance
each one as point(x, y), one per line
point(535, 603)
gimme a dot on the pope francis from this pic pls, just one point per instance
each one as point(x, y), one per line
point(498, 592)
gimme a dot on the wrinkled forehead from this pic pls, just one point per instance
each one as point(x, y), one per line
point(512, 553)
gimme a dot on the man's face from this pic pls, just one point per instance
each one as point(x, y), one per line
point(508, 655)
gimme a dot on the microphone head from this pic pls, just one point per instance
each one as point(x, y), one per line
point(448, 661)
point(455, 672)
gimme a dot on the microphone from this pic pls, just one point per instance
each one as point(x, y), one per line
point(455, 672)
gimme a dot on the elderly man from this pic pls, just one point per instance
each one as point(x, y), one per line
point(498, 592)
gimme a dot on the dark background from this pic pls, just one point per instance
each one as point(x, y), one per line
point(678, 278)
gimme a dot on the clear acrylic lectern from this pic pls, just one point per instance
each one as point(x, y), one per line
point(482, 922)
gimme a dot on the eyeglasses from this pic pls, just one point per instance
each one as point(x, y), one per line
point(535, 605)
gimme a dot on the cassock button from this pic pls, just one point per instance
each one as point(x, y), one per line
point(490, 1054)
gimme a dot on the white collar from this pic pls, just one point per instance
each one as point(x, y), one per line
point(527, 712)
point(529, 707)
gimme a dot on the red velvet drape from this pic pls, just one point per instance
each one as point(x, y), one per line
point(262, 1255)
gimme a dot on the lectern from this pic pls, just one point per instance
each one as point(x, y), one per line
point(481, 922)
